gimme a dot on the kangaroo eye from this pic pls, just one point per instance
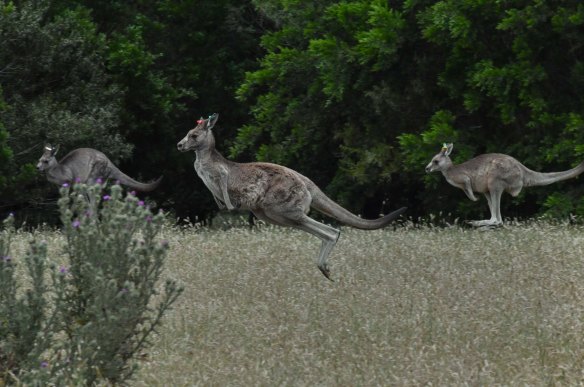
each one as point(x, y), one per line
point(435, 161)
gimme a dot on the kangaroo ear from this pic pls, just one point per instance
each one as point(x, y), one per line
point(447, 149)
point(54, 150)
point(212, 120)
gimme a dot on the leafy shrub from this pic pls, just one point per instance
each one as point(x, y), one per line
point(101, 307)
point(25, 325)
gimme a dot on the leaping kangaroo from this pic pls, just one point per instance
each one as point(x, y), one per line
point(274, 193)
point(86, 165)
point(492, 174)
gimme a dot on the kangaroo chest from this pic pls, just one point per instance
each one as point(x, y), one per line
point(59, 175)
point(55, 178)
point(211, 176)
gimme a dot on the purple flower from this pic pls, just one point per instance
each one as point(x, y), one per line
point(149, 218)
point(106, 197)
point(44, 364)
point(141, 203)
point(63, 270)
point(133, 193)
point(99, 180)
point(65, 185)
point(164, 243)
point(76, 223)
point(7, 258)
point(88, 214)
point(77, 180)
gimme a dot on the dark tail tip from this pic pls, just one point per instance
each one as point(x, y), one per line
point(395, 214)
point(152, 186)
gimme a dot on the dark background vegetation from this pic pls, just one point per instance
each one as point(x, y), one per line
point(357, 95)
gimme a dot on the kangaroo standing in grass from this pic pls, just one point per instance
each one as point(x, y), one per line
point(86, 165)
point(275, 194)
point(492, 174)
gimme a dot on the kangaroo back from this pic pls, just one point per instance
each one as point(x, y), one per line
point(89, 164)
point(327, 206)
point(533, 178)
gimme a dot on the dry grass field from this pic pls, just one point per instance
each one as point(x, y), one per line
point(410, 306)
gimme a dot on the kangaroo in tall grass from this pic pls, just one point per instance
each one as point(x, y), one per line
point(274, 193)
point(86, 165)
point(492, 174)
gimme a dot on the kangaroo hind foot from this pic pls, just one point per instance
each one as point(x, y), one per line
point(485, 223)
point(299, 220)
point(329, 237)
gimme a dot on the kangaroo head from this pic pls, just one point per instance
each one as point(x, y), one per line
point(441, 161)
point(48, 160)
point(200, 136)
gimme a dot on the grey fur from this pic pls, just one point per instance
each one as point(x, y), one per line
point(274, 193)
point(86, 165)
point(492, 174)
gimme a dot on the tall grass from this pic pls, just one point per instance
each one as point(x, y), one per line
point(410, 306)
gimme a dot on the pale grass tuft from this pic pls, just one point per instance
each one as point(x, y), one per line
point(414, 306)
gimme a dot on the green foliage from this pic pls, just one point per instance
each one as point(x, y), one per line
point(26, 325)
point(339, 90)
point(329, 98)
point(356, 94)
point(58, 89)
point(416, 148)
point(100, 309)
point(513, 78)
point(559, 205)
point(54, 89)
point(123, 77)
point(6, 160)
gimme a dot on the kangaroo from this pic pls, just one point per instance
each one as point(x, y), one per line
point(492, 174)
point(274, 193)
point(86, 165)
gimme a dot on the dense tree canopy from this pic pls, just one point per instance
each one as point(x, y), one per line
point(55, 87)
point(356, 94)
point(373, 88)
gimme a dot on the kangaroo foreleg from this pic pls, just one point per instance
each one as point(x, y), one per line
point(468, 191)
point(223, 184)
point(220, 204)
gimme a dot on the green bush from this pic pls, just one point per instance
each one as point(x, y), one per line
point(25, 324)
point(100, 308)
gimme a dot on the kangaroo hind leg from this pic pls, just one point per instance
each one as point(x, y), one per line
point(298, 219)
point(493, 202)
point(329, 237)
point(496, 204)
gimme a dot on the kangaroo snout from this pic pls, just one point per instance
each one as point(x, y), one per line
point(180, 146)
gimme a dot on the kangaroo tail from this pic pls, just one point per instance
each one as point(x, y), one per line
point(533, 178)
point(327, 206)
point(138, 186)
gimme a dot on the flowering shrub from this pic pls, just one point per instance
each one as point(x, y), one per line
point(104, 303)
point(25, 325)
